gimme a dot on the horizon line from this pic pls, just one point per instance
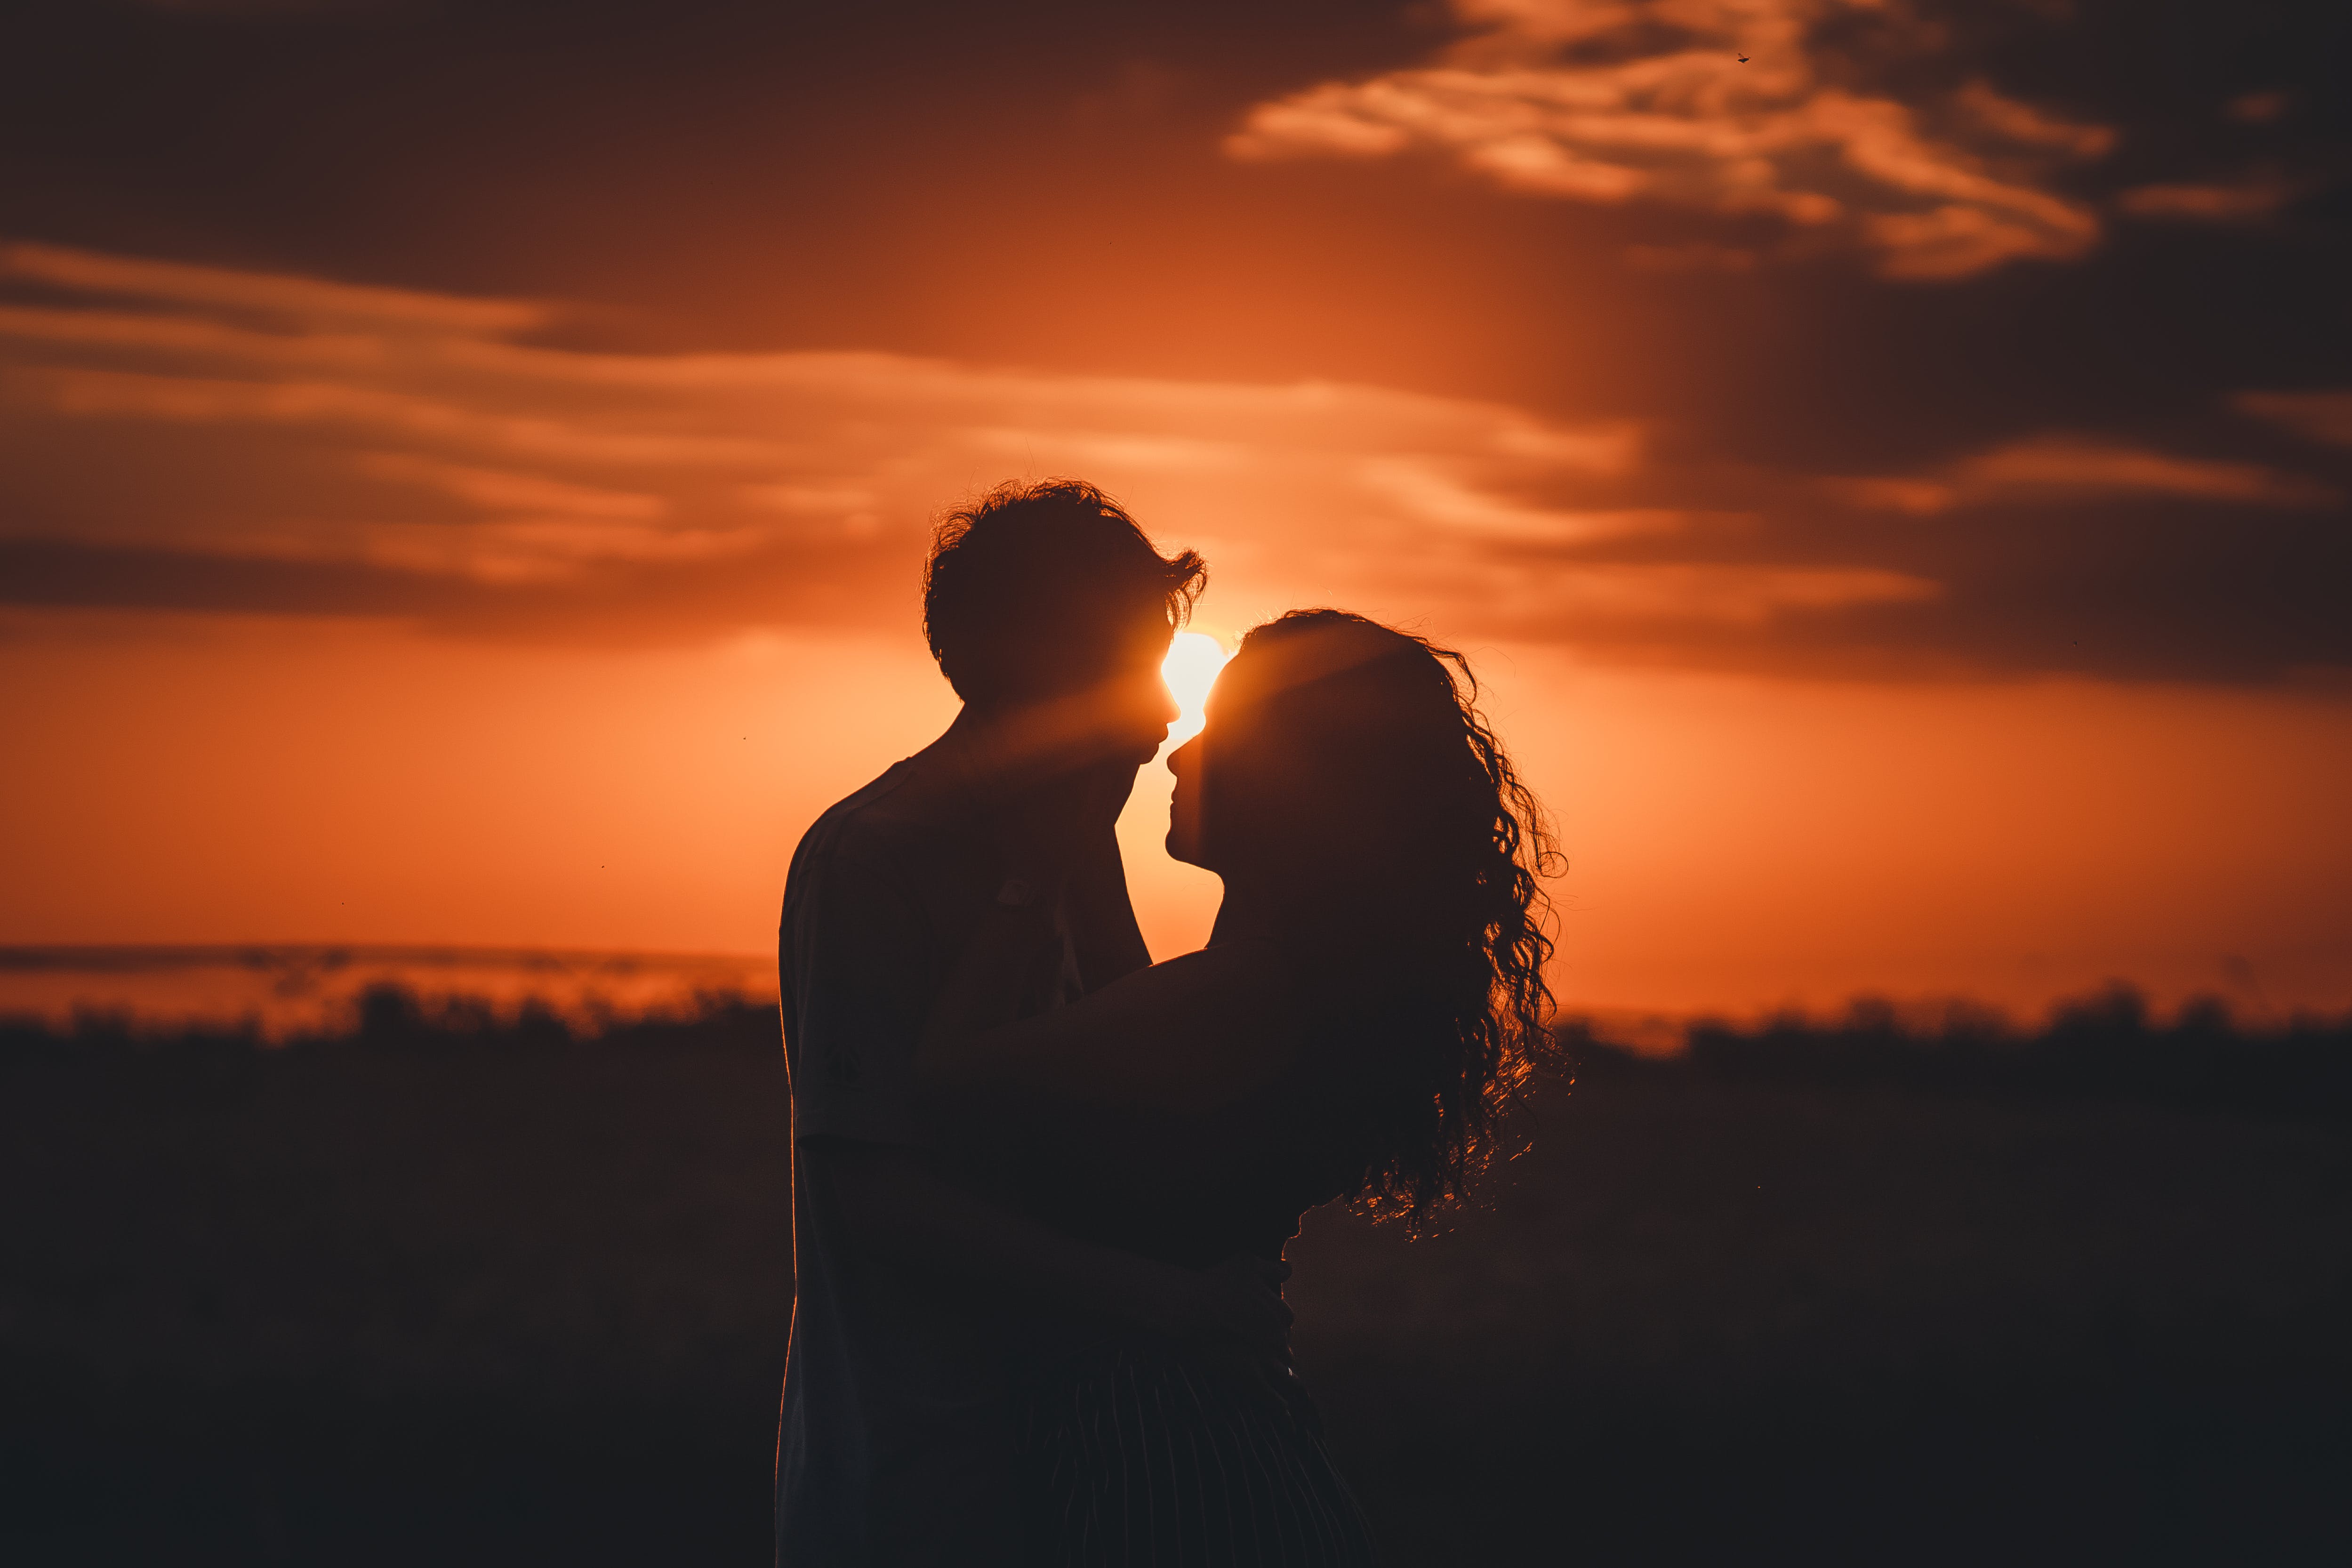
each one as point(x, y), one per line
point(130, 957)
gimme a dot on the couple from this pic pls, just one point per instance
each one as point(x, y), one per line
point(1041, 1184)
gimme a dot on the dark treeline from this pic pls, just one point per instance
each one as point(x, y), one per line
point(2108, 1045)
point(396, 1017)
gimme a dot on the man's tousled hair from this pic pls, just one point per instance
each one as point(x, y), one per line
point(1030, 586)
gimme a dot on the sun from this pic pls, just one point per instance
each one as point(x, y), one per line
point(1189, 669)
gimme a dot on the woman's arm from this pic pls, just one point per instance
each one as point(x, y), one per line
point(1192, 1035)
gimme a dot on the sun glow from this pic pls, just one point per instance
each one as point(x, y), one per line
point(1189, 669)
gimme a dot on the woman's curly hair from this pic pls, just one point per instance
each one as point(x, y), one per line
point(1418, 850)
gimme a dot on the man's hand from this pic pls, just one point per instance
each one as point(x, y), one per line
point(1059, 824)
point(1101, 791)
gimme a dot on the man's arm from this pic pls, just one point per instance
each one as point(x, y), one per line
point(898, 1211)
point(1191, 1036)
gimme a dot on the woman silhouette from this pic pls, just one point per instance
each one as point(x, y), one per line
point(1370, 1003)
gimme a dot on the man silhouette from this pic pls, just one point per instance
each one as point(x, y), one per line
point(1049, 612)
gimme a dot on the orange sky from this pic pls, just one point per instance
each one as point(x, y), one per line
point(1734, 842)
point(464, 470)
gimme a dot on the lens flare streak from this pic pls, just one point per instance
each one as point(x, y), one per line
point(1190, 669)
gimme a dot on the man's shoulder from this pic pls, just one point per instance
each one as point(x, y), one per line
point(858, 827)
point(879, 849)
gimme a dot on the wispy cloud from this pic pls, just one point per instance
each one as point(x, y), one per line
point(1728, 107)
point(2247, 198)
point(500, 491)
point(2085, 466)
point(193, 438)
point(2061, 465)
point(2321, 415)
point(285, 420)
point(307, 300)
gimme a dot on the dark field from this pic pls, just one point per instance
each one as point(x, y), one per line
point(458, 1293)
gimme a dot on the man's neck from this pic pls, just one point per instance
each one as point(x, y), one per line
point(965, 747)
point(966, 733)
point(983, 763)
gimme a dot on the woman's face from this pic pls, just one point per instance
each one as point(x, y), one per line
point(1193, 837)
point(1185, 836)
point(1242, 762)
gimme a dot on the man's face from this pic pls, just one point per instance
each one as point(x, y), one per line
point(1131, 707)
point(1116, 713)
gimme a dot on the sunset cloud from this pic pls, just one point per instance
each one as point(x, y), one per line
point(2321, 415)
point(415, 433)
point(2061, 465)
point(196, 438)
point(307, 300)
point(497, 491)
point(2249, 198)
point(2074, 464)
point(1730, 107)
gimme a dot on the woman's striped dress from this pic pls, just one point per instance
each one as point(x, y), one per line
point(1138, 1454)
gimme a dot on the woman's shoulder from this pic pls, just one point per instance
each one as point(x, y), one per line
point(1247, 974)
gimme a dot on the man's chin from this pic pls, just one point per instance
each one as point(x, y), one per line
point(1129, 750)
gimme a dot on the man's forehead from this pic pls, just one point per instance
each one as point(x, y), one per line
point(1148, 628)
point(1124, 623)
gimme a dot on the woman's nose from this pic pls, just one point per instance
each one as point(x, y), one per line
point(1180, 760)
